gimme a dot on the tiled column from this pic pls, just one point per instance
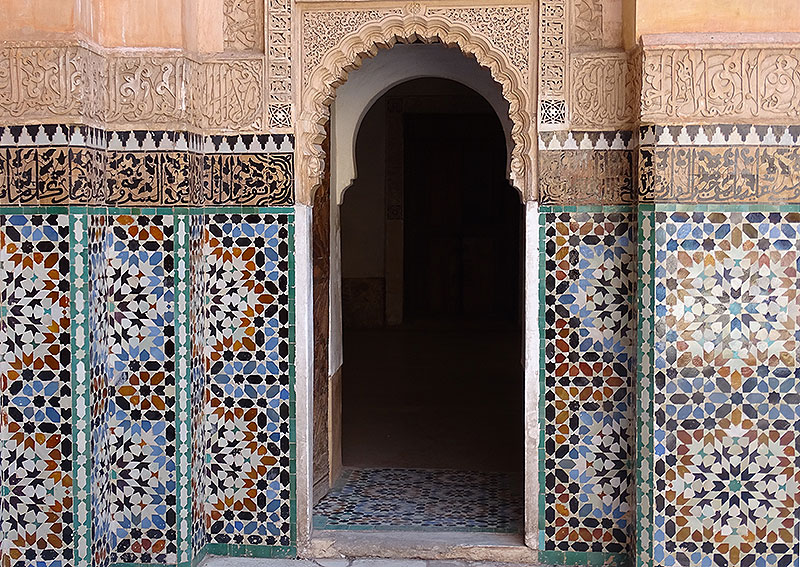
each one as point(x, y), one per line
point(719, 341)
point(587, 278)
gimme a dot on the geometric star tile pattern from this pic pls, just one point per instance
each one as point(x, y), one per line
point(248, 357)
point(37, 518)
point(727, 387)
point(588, 283)
point(98, 347)
point(197, 325)
point(142, 401)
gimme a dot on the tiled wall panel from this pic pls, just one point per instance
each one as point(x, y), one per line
point(719, 444)
point(98, 239)
point(197, 290)
point(141, 266)
point(250, 399)
point(39, 390)
point(587, 278)
point(146, 353)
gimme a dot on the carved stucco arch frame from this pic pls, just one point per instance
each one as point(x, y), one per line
point(412, 25)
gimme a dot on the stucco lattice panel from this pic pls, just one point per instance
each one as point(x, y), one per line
point(279, 56)
point(553, 62)
point(495, 22)
point(588, 364)
point(142, 360)
point(243, 25)
point(323, 30)
point(249, 381)
point(712, 84)
point(725, 350)
point(40, 422)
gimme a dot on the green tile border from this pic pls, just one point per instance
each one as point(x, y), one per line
point(543, 211)
point(645, 308)
point(588, 558)
point(183, 385)
point(81, 375)
point(261, 551)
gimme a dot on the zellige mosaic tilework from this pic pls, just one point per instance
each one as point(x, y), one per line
point(39, 391)
point(249, 419)
point(398, 499)
point(587, 291)
point(725, 470)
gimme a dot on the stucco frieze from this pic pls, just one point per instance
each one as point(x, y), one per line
point(700, 84)
point(131, 88)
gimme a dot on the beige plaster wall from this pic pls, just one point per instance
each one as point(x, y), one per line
point(33, 19)
point(675, 16)
point(139, 23)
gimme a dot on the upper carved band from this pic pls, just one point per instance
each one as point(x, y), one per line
point(325, 70)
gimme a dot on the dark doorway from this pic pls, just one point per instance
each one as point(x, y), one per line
point(432, 379)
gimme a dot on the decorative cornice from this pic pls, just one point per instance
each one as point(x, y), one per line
point(713, 174)
point(118, 89)
point(720, 135)
point(712, 83)
point(334, 42)
point(577, 140)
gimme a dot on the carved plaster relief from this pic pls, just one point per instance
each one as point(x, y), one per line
point(227, 94)
point(553, 63)
point(41, 82)
point(145, 90)
point(691, 85)
point(586, 177)
point(334, 42)
point(243, 25)
point(587, 23)
point(73, 83)
point(279, 56)
point(603, 91)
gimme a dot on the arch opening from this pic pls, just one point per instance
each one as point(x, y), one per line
point(431, 294)
point(331, 68)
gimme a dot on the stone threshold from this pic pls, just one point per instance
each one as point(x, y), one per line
point(423, 545)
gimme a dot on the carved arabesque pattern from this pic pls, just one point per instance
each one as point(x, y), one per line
point(242, 28)
point(327, 69)
point(587, 23)
point(119, 90)
point(704, 84)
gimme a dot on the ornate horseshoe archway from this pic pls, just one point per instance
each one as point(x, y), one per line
point(335, 42)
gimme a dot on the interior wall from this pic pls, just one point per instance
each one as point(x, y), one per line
point(693, 16)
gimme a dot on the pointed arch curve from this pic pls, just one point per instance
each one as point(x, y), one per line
point(413, 24)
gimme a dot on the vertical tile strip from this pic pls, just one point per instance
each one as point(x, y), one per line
point(183, 436)
point(81, 378)
point(644, 388)
point(542, 374)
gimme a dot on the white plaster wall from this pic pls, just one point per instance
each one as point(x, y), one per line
point(304, 370)
point(391, 67)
